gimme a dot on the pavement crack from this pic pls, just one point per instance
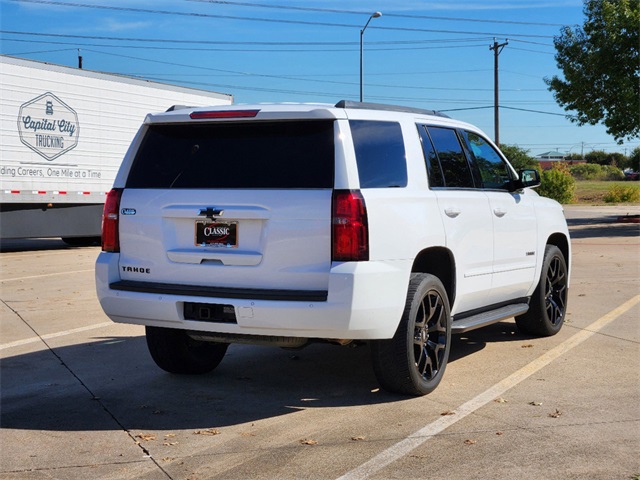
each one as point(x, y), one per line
point(86, 387)
point(568, 325)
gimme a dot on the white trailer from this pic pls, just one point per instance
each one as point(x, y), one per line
point(63, 134)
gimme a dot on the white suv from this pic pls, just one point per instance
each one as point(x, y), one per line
point(284, 224)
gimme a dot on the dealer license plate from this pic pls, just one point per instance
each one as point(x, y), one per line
point(220, 234)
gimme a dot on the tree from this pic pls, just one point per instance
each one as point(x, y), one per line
point(605, 158)
point(634, 159)
point(617, 159)
point(519, 157)
point(597, 156)
point(601, 65)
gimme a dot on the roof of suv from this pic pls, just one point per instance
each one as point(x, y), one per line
point(278, 111)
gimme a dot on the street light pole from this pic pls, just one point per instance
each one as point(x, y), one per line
point(373, 15)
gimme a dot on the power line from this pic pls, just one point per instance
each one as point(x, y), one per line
point(273, 20)
point(362, 12)
point(538, 111)
point(299, 79)
point(227, 42)
point(533, 51)
point(249, 50)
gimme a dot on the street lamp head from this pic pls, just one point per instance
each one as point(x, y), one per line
point(376, 15)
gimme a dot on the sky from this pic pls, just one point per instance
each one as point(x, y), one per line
point(426, 54)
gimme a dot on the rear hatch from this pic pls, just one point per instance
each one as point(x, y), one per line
point(235, 204)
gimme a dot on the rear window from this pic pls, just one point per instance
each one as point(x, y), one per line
point(296, 154)
point(380, 153)
point(453, 161)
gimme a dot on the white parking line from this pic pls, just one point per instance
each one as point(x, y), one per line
point(44, 275)
point(421, 436)
point(27, 341)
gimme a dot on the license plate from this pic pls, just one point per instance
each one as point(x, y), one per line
point(216, 234)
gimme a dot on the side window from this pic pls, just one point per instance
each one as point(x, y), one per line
point(434, 171)
point(493, 170)
point(453, 161)
point(380, 153)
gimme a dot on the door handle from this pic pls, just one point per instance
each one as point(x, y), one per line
point(499, 212)
point(452, 212)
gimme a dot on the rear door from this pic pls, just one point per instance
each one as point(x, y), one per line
point(239, 204)
point(465, 214)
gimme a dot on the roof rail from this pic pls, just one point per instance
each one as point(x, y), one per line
point(389, 108)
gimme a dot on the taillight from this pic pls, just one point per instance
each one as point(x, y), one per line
point(224, 114)
point(350, 228)
point(110, 237)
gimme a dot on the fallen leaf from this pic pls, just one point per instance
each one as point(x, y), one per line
point(535, 404)
point(468, 441)
point(208, 431)
point(169, 444)
point(147, 437)
point(167, 459)
point(499, 433)
point(500, 400)
point(555, 414)
point(170, 435)
point(359, 437)
point(308, 441)
point(448, 412)
point(528, 345)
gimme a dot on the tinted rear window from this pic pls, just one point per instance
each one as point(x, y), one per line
point(380, 153)
point(296, 154)
point(453, 161)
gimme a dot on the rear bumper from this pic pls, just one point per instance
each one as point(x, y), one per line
point(364, 300)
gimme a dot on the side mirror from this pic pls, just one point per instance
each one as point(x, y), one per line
point(529, 178)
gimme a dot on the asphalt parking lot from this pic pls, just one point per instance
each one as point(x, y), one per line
point(81, 397)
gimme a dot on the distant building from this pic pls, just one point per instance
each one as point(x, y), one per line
point(553, 155)
point(549, 159)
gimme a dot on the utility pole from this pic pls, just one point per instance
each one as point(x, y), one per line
point(79, 60)
point(497, 48)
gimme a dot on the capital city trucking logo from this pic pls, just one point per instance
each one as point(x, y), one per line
point(48, 126)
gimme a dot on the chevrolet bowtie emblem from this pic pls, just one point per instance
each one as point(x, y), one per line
point(210, 212)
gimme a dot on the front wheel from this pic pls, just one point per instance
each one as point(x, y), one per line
point(548, 305)
point(414, 360)
point(175, 351)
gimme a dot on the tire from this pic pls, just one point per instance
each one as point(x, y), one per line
point(175, 352)
point(414, 360)
point(548, 305)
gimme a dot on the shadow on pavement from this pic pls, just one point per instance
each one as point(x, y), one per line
point(33, 244)
point(602, 226)
point(86, 387)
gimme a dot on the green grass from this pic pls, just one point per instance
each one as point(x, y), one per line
point(592, 192)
